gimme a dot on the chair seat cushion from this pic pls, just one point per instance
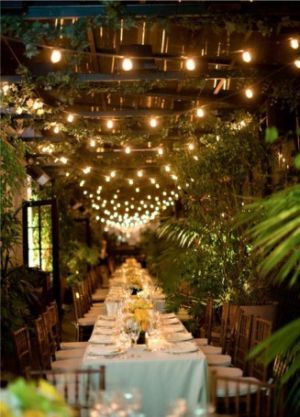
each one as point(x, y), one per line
point(226, 371)
point(67, 364)
point(201, 341)
point(232, 388)
point(69, 353)
point(73, 345)
point(218, 360)
point(211, 350)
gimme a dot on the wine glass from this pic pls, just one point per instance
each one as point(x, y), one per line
point(134, 332)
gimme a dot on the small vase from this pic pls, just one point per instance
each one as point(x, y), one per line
point(142, 338)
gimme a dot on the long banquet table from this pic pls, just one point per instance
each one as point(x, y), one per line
point(161, 376)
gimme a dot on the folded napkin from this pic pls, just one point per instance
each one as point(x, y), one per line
point(104, 323)
point(104, 330)
point(179, 337)
point(101, 339)
point(108, 318)
point(169, 321)
point(103, 350)
point(167, 315)
point(186, 347)
point(173, 328)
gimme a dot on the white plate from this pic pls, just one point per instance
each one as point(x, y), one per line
point(108, 318)
point(186, 347)
point(101, 339)
point(171, 320)
point(103, 351)
point(173, 328)
point(102, 330)
point(104, 323)
point(168, 315)
point(179, 337)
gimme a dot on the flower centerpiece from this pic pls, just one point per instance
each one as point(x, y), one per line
point(138, 314)
point(134, 284)
point(32, 399)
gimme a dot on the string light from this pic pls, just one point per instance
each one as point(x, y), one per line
point(56, 129)
point(82, 182)
point(130, 181)
point(67, 174)
point(63, 160)
point(128, 150)
point(109, 124)
point(107, 178)
point(167, 168)
point(5, 88)
point(191, 146)
point(190, 64)
point(249, 93)
point(200, 112)
point(153, 122)
point(247, 56)
point(127, 64)
point(297, 63)
point(86, 170)
point(294, 43)
point(152, 180)
point(140, 173)
point(160, 151)
point(92, 143)
point(70, 118)
point(113, 174)
point(137, 190)
point(55, 56)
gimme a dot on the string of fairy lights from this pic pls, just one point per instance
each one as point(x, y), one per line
point(135, 212)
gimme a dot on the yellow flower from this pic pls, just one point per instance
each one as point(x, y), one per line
point(33, 413)
point(5, 411)
point(49, 391)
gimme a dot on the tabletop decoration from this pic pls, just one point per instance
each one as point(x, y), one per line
point(138, 314)
point(32, 399)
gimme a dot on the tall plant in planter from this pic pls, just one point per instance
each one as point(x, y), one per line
point(216, 177)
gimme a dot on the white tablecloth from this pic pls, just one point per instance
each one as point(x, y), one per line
point(161, 377)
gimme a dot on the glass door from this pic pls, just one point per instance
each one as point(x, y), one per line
point(40, 239)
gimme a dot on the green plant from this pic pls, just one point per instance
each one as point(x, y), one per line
point(276, 239)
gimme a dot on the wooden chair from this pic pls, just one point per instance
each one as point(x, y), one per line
point(261, 329)
point(245, 397)
point(242, 341)
point(77, 386)
point(23, 350)
point(43, 345)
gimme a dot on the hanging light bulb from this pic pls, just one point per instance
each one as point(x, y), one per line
point(152, 180)
point(297, 63)
point(153, 122)
point(167, 168)
point(249, 93)
point(63, 160)
point(109, 124)
point(127, 149)
point(200, 112)
point(127, 64)
point(140, 173)
point(294, 43)
point(247, 56)
point(160, 151)
point(190, 64)
point(86, 170)
point(70, 118)
point(137, 190)
point(55, 56)
point(130, 181)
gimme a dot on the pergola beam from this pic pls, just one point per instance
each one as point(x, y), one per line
point(144, 76)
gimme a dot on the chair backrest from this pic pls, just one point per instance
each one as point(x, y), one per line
point(46, 316)
point(241, 397)
point(42, 343)
point(54, 322)
point(76, 386)
point(261, 329)
point(23, 350)
point(77, 301)
point(209, 311)
point(242, 341)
